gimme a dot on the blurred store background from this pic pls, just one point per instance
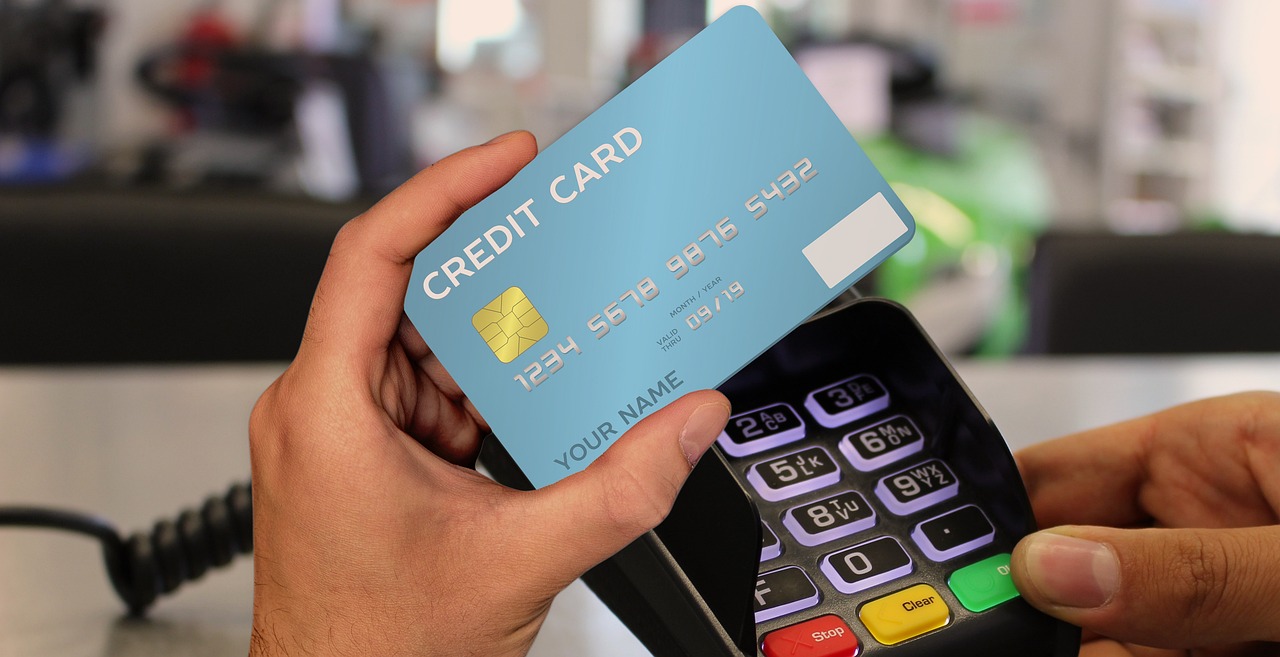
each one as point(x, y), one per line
point(1089, 176)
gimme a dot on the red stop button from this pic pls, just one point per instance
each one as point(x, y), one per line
point(824, 636)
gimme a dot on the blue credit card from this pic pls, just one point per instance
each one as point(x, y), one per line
point(654, 250)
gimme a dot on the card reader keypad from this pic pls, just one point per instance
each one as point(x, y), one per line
point(853, 502)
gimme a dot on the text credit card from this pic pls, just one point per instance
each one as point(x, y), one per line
point(654, 250)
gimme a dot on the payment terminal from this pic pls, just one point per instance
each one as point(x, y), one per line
point(859, 502)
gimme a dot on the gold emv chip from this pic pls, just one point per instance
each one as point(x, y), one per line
point(509, 324)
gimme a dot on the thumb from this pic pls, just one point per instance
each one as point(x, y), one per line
point(629, 489)
point(1168, 588)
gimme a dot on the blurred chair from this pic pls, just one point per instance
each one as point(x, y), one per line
point(1155, 294)
point(142, 277)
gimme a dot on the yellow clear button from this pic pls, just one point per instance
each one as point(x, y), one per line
point(905, 614)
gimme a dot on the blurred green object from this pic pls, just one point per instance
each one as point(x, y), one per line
point(977, 211)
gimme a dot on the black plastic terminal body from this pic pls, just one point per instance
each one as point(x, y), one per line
point(686, 588)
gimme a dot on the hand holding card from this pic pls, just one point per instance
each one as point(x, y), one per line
point(368, 538)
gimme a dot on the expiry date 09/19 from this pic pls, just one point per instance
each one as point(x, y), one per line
point(708, 311)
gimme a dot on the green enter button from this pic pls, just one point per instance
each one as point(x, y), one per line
point(983, 585)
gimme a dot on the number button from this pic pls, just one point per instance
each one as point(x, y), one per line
point(882, 443)
point(800, 472)
point(918, 487)
point(846, 401)
point(826, 520)
point(784, 591)
point(954, 533)
point(770, 546)
point(869, 564)
point(761, 429)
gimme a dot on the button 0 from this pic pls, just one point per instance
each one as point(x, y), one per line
point(764, 428)
point(985, 584)
point(784, 591)
point(918, 487)
point(824, 636)
point(851, 399)
point(865, 565)
point(793, 474)
point(905, 615)
point(954, 533)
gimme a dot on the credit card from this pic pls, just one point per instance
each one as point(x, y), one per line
point(653, 250)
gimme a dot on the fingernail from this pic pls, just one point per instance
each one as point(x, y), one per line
point(1070, 571)
point(701, 429)
point(501, 138)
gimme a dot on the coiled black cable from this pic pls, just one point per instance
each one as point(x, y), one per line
point(145, 566)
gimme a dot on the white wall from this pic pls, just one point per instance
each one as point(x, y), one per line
point(1247, 167)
